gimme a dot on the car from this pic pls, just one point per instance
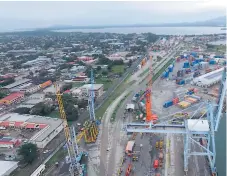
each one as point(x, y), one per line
point(46, 151)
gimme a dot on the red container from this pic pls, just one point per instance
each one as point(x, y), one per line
point(156, 164)
point(175, 101)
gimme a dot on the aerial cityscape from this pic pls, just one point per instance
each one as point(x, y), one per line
point(95, 98)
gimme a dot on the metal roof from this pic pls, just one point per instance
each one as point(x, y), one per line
point(198, 125)
point(6, 166)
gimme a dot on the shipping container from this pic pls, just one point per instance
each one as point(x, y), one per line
point(186, 65)
point(156, 164)
point(191, 100)
point(181, 82)
point(196, 97)
point(168, 104)
point(184, 104)
point(175, 100)
point(212, 62)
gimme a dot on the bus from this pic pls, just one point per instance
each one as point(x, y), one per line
point(39, 170)
point(129, 147)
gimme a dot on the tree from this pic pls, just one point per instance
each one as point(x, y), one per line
point(22, 110)
point(130, 63)
point(99, 68)
point(29, 152)
point(105, 72)
point(2, 94)
point(109, 67)
point(71, 113)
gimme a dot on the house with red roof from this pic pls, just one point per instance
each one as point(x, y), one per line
point(12, 98)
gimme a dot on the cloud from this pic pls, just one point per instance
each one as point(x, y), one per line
point(44, 13)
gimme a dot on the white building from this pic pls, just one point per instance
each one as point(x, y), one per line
point(7, 167)
point(41, 60)
point(98, 89)
point(208, 79)
point(47, 127)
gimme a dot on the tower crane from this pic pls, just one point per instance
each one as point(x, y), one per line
point(191, 128)
point(75, 169)
point(149, 115)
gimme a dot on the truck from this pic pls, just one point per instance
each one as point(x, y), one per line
point(157, 145)
point(160, 144)
point(160, 156)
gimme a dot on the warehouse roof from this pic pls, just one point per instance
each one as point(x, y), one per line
point(6, 166)
point(12, 96)
point(16, 83)
point(198, 125)
point(95, 86)
point(53, 124)
point(209, 78)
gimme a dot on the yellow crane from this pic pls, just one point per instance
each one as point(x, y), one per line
point(74, 167)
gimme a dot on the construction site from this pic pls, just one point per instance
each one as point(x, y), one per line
point(165, 124)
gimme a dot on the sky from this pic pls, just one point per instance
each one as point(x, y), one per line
point(27, 14)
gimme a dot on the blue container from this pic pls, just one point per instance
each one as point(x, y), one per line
point(194, 54)
point(212, 62)
point(190, 93)
point(186, 65)
point(182, 56)
point(193, 63)
point(218, 56)
point(181, 82)
point(168, 104)
point(137, 95)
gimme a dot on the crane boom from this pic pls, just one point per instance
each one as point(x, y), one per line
point(74, 167)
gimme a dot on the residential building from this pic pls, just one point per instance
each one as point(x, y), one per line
point(98, 89)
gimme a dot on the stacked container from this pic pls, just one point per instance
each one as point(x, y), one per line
point(212, 62)
point(175, 100)
point(186, 65)
point(170, 68)
point(204, 65)
point(181, 82)
point(194, 54)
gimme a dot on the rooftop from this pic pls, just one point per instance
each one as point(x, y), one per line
point(17, 83)
point(12, 96)
point(198, 125)
point(6, 166)
point(95, 86)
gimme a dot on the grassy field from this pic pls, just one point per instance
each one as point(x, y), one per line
point(105, 81)
point(118, 69)
point(59, 155)
point(144, 72)
point(99, 113)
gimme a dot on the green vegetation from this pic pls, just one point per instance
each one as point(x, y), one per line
point(105, 81)
point(118, 69)
point(162, 70)
point(2, 95)
point(29, 152)
point(61, 153)
point(99, 113)
point(113, 117)
point(144, 72)
point(216, 48)
point(54, 114)
point(159, 58)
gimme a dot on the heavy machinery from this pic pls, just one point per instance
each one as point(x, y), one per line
point(75, 168)
point(193, 129)
point(150, 117)
point(90, 130)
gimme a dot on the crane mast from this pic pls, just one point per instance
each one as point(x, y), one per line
point(149, 115)
point(74, 166)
